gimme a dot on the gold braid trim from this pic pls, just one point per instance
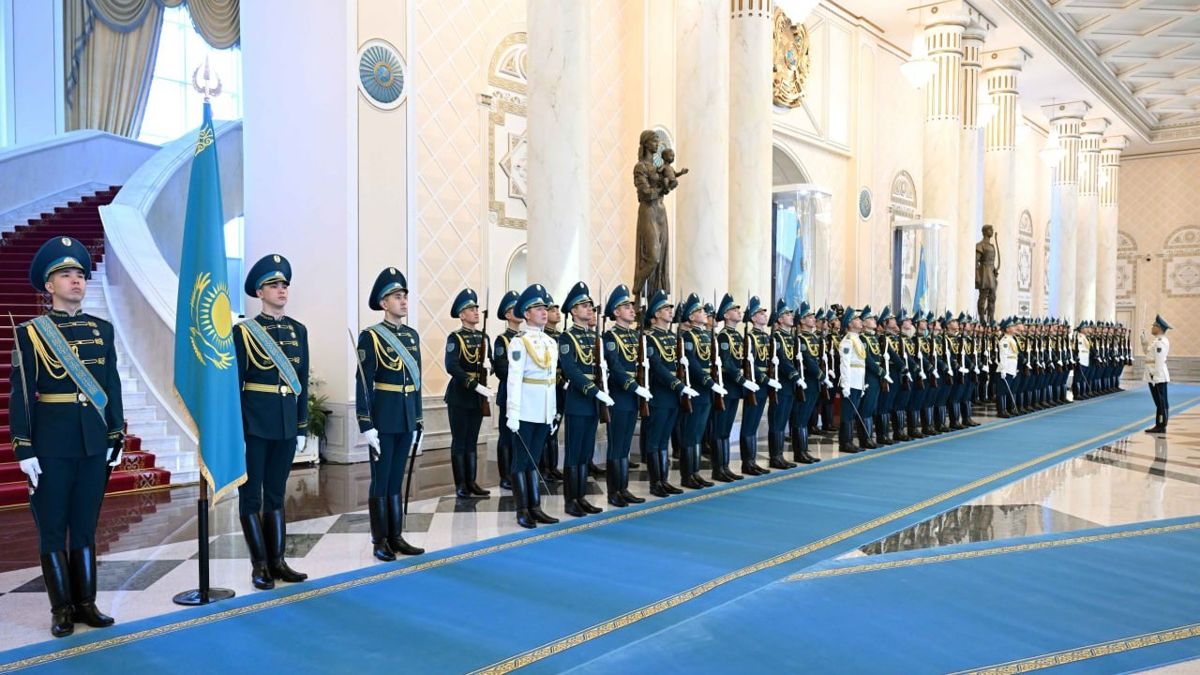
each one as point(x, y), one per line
point(44, 355)
point(381, 355)
point(540, 360)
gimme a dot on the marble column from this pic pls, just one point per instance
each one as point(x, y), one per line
point(1106, 249)
point(1088, 218)
point(970, 168)
point(1065, 121)
point(559, 203)
point(943, 139)
point(702, 114)
point(750, 44)
point(1001, 70)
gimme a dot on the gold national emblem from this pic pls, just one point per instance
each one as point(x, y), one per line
point(211, 332)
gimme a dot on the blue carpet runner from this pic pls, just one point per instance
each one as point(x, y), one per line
point(560, 596)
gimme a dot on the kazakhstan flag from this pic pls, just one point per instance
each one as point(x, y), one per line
point(206, 374)
point(922, 285)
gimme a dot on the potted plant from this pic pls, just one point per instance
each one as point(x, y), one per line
point(318, 416)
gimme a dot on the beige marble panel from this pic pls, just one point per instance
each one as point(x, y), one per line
point(750, 148)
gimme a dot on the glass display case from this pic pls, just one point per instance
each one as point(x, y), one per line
point(801, 217)
point(916, 278)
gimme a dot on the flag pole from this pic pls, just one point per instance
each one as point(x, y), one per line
point(204, 594)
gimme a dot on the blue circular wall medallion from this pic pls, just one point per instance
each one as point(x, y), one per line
point(381, 74)
point(864, 204)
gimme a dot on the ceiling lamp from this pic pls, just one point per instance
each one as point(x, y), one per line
point(985, 110)
point(919, 68)
point(1053, 152)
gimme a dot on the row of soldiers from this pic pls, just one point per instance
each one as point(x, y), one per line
point(685, 369)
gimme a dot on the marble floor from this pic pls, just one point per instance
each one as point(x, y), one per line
point(148, 541)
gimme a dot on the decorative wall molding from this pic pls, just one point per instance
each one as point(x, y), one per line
point(1127, 252)
point(1181, 263)
point(507, 142)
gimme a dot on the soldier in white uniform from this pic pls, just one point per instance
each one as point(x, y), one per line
point(1006, 367)
point(853, 379)
point(532, 405)
point(1156, 351)
point(1083, 359)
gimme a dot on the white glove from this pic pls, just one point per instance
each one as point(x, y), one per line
point(888, 379)
point(31, 468)
point(718, 389)
point(484, 391)
point(689, 392)
point(513, 424)
point(846, 394)
point(865, 387)
point(774, 384)
point(750, 386)
point(774, 360)
point(643, 392)
point(604, 398)
point(300, 441)
point(371, 436)
point(115, 461)
point(963, 369)
point(802, 383)
point(683, 360)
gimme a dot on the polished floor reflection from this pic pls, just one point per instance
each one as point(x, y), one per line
point(1139, 478)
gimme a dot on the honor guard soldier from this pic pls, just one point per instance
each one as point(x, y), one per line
point(853, 379)
point(548, 462)
point(620, 353)
point(662, 349)
point(1083, 359)
point(966, 396)
point(900, 390)
point(783, 369)
point(1156, 351)
point(890, 360)
point(272, 358)
point(512, 325)
point(758, 357)
point(945, 374)
point(958, 371)
point(579, 360)
point(731, 349)
point(829, 372)
point(914, 359)
point(1006, 368)
point(466, 394)
point(532, 402)
point(388, 403)
point(808, 353)
point(698, 351)
point(67, 427)
point(872, 379)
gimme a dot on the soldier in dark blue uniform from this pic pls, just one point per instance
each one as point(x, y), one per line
point(911, 342)
point(900, 388)
point(697, 349)
point(783, 363)
point(578, 361)
point(758, 348)
point(730, 352)
point(808, 354)
point(662, 349)
point(620, 353)
point(466, 392)
point(512, 325)
point(272, 357)
point(888, 339)
point(388, 402)
point(67, 427)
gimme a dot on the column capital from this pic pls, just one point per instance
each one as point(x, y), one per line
point(1114, 143)
point(1075, 110)
point(751, 9)
point(1094, 126)
point(1009, 58)
point(958, 12)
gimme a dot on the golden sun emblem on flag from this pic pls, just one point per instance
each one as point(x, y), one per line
point(212, 322)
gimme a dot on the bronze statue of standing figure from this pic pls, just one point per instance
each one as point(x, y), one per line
point(987, 273)
point(652, 271)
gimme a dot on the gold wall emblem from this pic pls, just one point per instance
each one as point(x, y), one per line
point(211, 332)
point(791, 61)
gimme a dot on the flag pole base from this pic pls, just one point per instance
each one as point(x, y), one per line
point(196, 597)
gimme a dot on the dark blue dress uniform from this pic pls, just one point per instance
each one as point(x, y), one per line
point(465, 352)
point(388, 400)
point(620, 353)
point(578, 362)
point(891, 376)
point(662, 349)
point(808, 359)
point(779, 411)
point(730, 351)
point(59, 422)
point(274, 415)
point(697, 347)
point(914, 380)
point(759, 346)
point(500, 367)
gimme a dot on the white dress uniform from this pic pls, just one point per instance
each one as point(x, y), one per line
point(1008, 356)
point(532, 376)
point(854, 363)
point(1156, 359)
point(1083, 350)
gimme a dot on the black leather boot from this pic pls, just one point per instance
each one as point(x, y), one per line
point(535, 501)
point(377, 508)
point(83, 586)
point(725, 453)
point(864, 436)
point(395, 538)
point(471, 464)
point(551, 471)
point(655, 470)
point(275, 531)
point(775, 451)
point(58, 586)
point(752, 457)
point(623, 467)
point(582, 487)
point(695, 455)
point(571, 493)
point(665, 472)
point(687, 469)
point(799, 442)
point(460, 484)
point(613, 483)
point(594, 470)
point(899, 432)
point(260, 573)
point(715, 460)
point(504, 464)
point(520, 490)
point(846, 438)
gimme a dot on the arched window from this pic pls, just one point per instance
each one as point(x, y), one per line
point(174, 107)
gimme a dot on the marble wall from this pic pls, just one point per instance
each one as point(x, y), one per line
point(1159, 270)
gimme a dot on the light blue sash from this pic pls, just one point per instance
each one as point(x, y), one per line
point(394, 342)
point(271, 347)
point(79, 373)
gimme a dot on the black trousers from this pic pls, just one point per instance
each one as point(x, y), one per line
point(268, 463)
point(464, 429)
point(67, 500)
point(1162, 408)
point(387, 473)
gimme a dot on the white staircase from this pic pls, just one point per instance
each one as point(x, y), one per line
point(142, 413)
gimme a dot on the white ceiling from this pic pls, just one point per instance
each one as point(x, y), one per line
point(1137, 62)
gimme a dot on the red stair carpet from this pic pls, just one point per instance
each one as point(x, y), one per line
point(81, 220)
